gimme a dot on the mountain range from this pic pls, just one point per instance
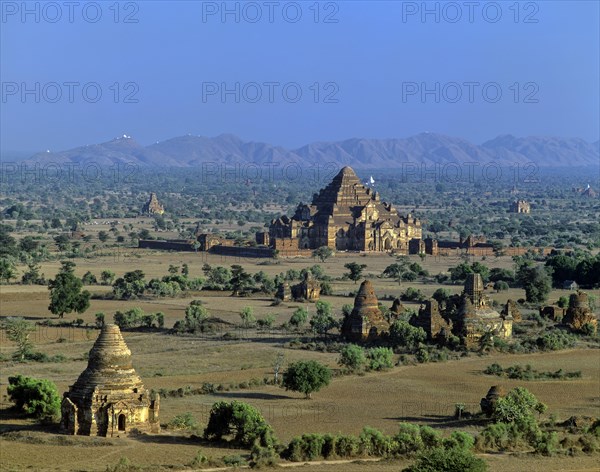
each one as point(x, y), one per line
point(424, 148)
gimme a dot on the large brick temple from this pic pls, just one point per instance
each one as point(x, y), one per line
point(346, 215)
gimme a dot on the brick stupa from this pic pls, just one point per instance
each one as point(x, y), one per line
point(108, 398)
point(366, 321)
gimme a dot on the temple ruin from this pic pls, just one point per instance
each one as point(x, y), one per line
point(345, 215)
point(152, 206)
point(366, 322)
point(477, 317)
point(309, 289)
point(579, 314)
point(520, 206)
point(108, 398)
point(469, 316)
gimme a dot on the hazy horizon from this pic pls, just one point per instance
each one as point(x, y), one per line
point(296, 73)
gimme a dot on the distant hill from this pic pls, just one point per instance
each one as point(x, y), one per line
point(425, 148)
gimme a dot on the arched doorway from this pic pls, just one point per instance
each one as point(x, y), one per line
point(121, 422)
point(387, 244)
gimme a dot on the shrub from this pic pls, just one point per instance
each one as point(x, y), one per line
point(199, 460)
point(380, 358)
point(408, 438)
point(183, 421)
point(352, 357)
point(347, 446)
point(306, 447)
point(494, 436)
point(267, 322)
point(459, 439)
point(124, 465)
point(36, 397)
point(234, 460)
point(447, 460)
point(547, 443)
point(494, 369)
point(263, 457)
point(422, 355)
point(374, 443)
point(556, 340)
point(430, 437)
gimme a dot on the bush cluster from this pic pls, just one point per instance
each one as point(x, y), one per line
point(528, 373)
point(410, 439)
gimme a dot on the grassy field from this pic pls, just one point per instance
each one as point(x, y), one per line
point(424, 394)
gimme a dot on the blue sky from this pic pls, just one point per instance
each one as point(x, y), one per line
point(363, 69)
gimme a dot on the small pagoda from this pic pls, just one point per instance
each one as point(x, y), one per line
point(366, 321)
point(108, 398)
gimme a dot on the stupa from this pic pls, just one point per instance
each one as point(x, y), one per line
point(366, 320)
point(108, 398)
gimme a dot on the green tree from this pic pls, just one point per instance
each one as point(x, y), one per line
point(563, 302)
point(62, 242)
point(131, 285)
point(404, 334)
point(394, 271)
point(99, 317)
point(32, 275)
point(130, 318)
point(323, 320)
point(352, 357)
point(89, 278)
point(518, 406)
point(8, 270)
point(241, 421)
point(247, 316)
point(36, 397)
point(28, 244)
point(8, 244)
point(323, 253)
point(66, 295)
point(18, 331)
point(103, 236)
point(195, 315)
point(306, 377)
point(299, 317)
point(241, 281)
point(355, 270)
point(185, 270)
point(107, 277)
point(501, 285)
point(536, 281)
